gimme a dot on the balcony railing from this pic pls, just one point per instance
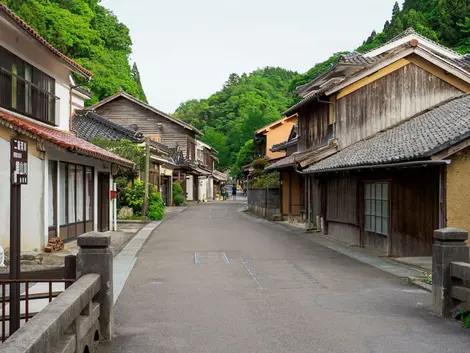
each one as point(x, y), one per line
point(24, 97)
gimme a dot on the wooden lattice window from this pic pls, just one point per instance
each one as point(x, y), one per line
point(376, 207)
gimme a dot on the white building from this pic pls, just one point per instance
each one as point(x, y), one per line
point(69, 179)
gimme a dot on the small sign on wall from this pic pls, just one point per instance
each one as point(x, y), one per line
point(19, 162)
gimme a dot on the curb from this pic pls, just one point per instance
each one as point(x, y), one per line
point(124, 262)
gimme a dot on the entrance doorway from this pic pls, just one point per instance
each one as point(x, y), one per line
point(103, 202)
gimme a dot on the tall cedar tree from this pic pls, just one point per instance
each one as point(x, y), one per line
point(136, 77)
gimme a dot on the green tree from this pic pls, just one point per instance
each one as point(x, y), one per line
point(128, 150)
point(245, 103)
point(88, 33)
point(135, 74)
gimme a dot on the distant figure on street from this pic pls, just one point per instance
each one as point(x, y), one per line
point(222, 191)
point(244, 191)
point(234, 192)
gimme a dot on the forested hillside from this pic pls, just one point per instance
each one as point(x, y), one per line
point(91, 35)
point(244, 104)
point(230, 129)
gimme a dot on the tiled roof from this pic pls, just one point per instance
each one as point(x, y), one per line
point(417, 138)
point(126, 95)
point(285, 162)
point(41, 40)
point(289, 161)
point(219, 175)
point(89, 125)
point(410, 31)
point(307, 99)
point(283, 145)
point(61, 139)
point(356, 58)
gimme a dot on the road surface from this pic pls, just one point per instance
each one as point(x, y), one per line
point(212, 279)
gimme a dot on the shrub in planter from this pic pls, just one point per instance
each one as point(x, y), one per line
point(178, 200)
point(156, 208)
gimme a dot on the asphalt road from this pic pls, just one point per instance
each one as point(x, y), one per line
point(211, 279)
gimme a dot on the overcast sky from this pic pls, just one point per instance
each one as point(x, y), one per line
point(187, 48)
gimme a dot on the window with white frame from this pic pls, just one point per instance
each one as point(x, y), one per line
point(376, 217)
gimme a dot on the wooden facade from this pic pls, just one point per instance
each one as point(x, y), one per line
point(410, 204)
point(315, 126)
point(292, 195)
point(387, 101)
point(340, 203)
point(129, 114)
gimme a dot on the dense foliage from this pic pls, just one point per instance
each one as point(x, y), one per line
point(133, 197)
point(91, 35)
point(445, 21)
point(261, 179)
point(178, 194)
point(156, 208)
point(245, 103)
point(128, 150)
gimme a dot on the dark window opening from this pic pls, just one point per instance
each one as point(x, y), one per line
point(27, 90)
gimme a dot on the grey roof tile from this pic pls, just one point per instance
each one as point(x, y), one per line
point(417, 138)
point(89, 125)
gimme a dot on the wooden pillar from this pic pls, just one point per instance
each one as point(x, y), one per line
point(442, 196)
point(146, 176)
point(290, 196)
point(308, 201)
point(324, 200)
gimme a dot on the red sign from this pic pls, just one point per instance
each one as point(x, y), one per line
point(19, 162)
point(113, 194)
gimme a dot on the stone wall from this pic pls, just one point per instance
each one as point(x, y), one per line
point(80, 316)
point(264, 203)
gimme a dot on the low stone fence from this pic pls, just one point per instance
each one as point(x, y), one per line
point(451, 272)
point(264, 203)
point(79, 317)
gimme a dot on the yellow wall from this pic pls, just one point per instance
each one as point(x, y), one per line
point(458, 191)
point(278, 134)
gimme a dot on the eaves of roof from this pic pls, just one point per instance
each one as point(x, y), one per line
point(62, 140)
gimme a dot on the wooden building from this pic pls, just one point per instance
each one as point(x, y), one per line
point(382, 141)
point(88, 125)
point(273, 134)
point(125, 110)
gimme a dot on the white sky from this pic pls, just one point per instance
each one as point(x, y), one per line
point(187, 48)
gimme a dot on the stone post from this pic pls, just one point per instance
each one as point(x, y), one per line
point(449, 246)
point(95, 256)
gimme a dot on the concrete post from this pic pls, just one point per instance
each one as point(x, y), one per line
point(95, 256)
point(449, 246)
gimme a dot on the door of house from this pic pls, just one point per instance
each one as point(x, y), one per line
point(103, 202)
point(195, 188)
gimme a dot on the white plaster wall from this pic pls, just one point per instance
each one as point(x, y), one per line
point(210, 195)
point(189, 187)
point(32, 201)
point(203, 189)
point(27, 48)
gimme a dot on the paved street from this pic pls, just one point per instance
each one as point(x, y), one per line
point(211, 279)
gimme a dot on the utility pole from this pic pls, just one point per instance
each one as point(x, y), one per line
point(146, 178)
